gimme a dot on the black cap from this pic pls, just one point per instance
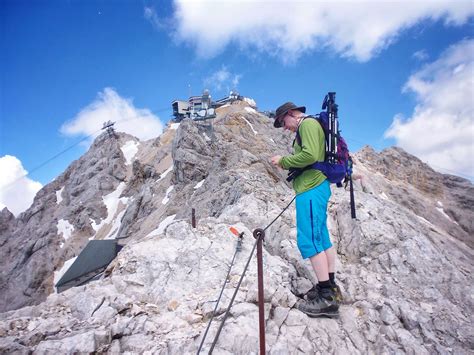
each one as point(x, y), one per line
point(283, 110)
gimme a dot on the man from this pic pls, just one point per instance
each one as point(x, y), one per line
point(312, 195)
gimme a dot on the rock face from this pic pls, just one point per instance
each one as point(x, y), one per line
point(36, 244)
point(31, 249)
point(404, 266)
point(444, 200)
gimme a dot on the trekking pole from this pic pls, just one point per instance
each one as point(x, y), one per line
point(329, 104)
point(335, 132)
point(351, 189)
point(353, 209)
point(259, 234)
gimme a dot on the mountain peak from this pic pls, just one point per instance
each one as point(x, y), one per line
point(403, 265)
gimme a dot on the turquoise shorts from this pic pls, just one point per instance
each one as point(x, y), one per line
point(311, 215)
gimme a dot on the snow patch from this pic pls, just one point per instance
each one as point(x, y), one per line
point(94, 225)
point(249, 109)
point(250, 101)
point(161, 228)
point(206, 137)
point(166, 199)
point(116, 226)
point(65, 228)
point(254, 132)
point(199, 184)
point(440, 204)
point(384, 196)
point(174, 125)
point(129, 149)
point(425, 220)
point(62, 271)
point(111, 201)
point(163, 175)
point(441, 210)
point(59, 197)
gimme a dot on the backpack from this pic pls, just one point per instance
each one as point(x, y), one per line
point(337, 166)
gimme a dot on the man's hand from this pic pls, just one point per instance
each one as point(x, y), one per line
point(276, 160)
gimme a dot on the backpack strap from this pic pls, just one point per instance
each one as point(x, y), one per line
point(298, 136)
point(295, 172)
point(334, 172)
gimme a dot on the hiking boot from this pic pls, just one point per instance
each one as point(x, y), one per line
point(324, 305)
point(337, 292)
point(314, 293)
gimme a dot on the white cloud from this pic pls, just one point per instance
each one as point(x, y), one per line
point(16, 190)
point(141, 123)
point(441, 128)
point(151, 15)
point(222, 79)
point(288, 29)
point(421, 55)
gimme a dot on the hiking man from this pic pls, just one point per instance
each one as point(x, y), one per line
point(312, 195)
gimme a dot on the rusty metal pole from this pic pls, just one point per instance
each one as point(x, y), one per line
point(193, 218)
point(259, 234)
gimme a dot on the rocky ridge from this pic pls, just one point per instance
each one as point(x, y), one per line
point(404, 266)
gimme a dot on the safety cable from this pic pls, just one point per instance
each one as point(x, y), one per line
point(241, 278)
point(280, 214)
point(237, 249)
point(6, 187)
point(232, 300)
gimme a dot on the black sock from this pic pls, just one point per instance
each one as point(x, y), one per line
point(332, 277)
point(324, 284)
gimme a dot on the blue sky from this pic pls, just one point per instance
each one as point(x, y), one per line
point(403, 72)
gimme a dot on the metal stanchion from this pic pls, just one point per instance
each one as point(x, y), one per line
point(259, 234)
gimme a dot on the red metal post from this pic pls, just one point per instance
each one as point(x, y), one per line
point(260, 234)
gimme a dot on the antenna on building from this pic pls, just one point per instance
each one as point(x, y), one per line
point(206, 100)
point(109, 128)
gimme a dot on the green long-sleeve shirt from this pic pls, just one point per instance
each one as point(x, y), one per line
point(312, 150)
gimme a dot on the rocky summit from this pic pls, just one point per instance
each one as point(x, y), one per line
point(404, 265)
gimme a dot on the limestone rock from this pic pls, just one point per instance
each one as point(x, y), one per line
point(404, 266)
